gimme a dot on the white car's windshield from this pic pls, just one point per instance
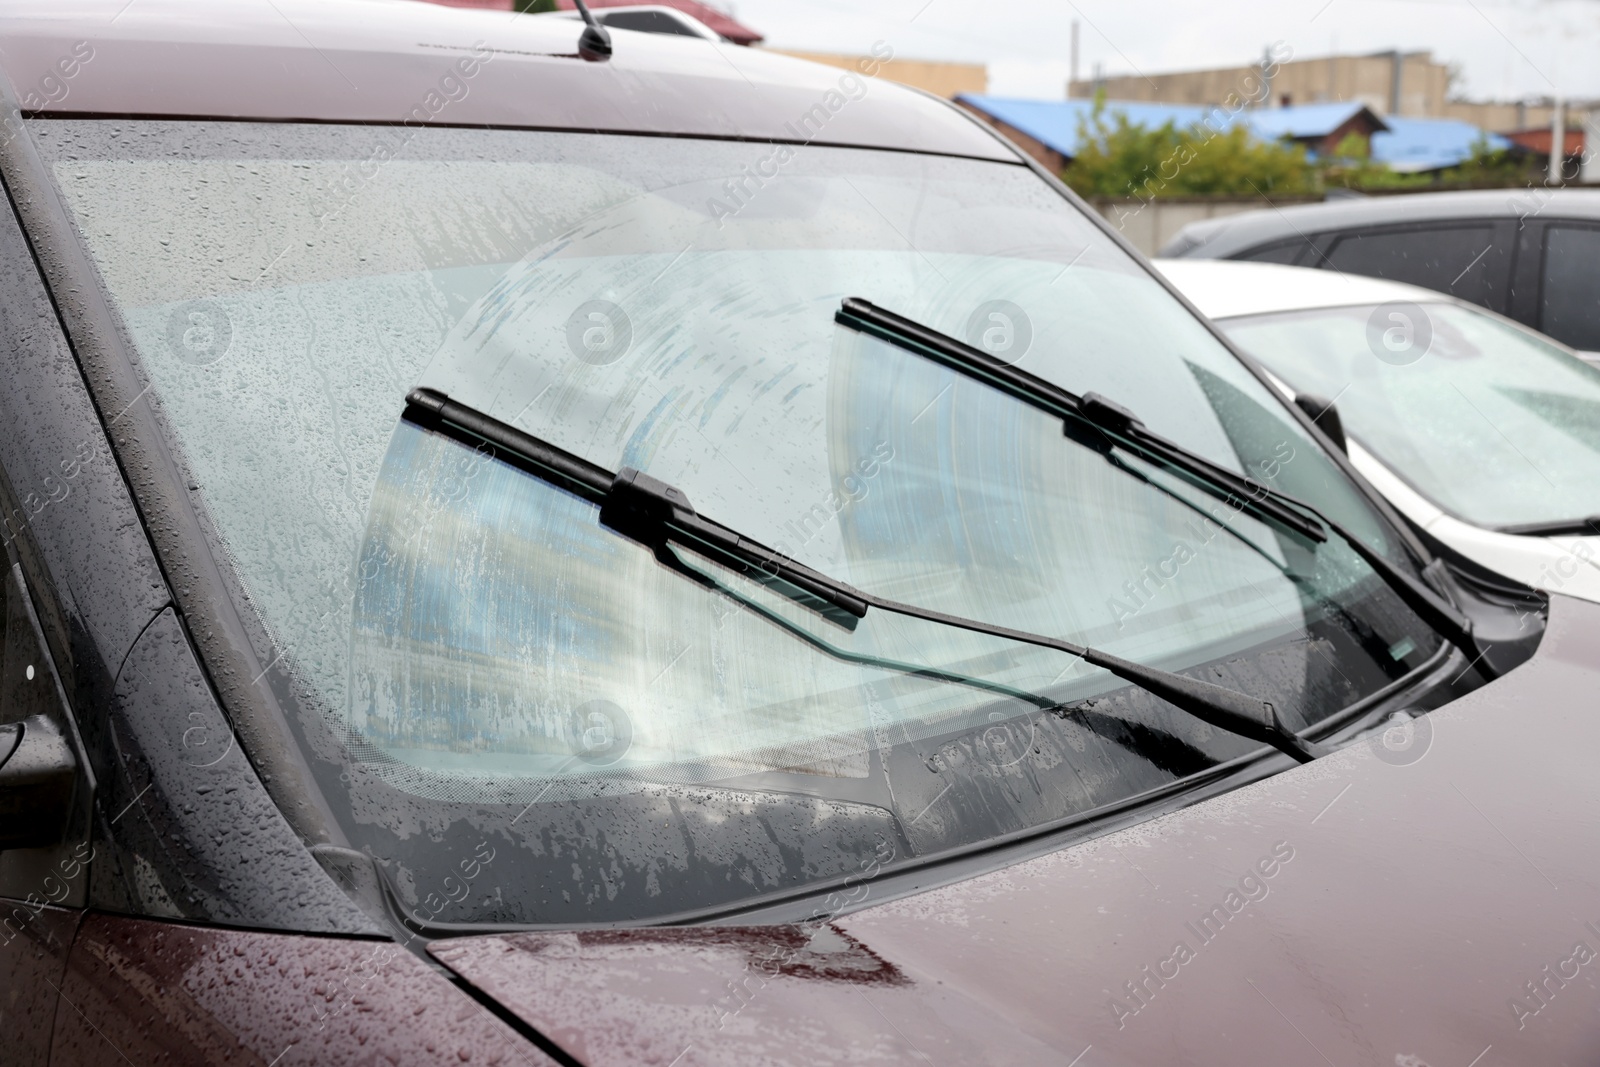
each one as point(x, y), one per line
point(1489, 421)
point(473, 657)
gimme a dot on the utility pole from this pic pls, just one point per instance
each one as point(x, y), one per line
point(1072, 78)
point(1589, 170)
point(1397, 80)
point(1558, 142)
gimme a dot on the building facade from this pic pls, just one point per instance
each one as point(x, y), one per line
point(1389, 83)
point(1405, 84)
point(941, 79)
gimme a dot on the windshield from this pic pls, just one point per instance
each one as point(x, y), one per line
point(1491, 422)
point(478, 662)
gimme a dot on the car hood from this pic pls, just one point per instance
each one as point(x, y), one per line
point(1422, 899)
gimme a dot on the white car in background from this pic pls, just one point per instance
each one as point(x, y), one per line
point(1483, 433)
point(645, 18)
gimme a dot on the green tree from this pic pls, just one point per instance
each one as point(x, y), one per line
point(534, 5)
point(1350, 165)
point(1493, 167)
point(1120, 158)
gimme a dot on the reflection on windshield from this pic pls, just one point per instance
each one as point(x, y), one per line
point(1491, 423)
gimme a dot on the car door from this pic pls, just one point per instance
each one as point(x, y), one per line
point(1569, 290)
point(45, 802)
point(46, 783)
point(73, 596)
point(1467, 258)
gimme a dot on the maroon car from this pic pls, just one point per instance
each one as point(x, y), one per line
point(529, 546)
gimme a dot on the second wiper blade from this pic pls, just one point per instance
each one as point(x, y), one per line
point(1118, 426)
point(1092, 408)
point(655, 514)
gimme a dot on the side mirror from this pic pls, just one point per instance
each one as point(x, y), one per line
point(37, 775)
point(1325, 415)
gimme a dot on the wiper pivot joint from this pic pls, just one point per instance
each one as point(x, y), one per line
point(1107, 414)
point(638, 505)
point(1223, 708)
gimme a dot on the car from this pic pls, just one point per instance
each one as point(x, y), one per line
point(1525, 253)
point(645, 18)
point(535, 545)
point(1477, 429)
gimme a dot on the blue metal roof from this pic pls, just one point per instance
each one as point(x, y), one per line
point(1429, 144)
point(1054, 123)
point(1304, 120)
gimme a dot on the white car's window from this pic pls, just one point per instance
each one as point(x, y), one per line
point(1489, 421)
point(1569, 289)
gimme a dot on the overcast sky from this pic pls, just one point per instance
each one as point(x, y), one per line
point(1506, 48)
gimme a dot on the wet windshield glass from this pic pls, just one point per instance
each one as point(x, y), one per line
point(475, 659)
point(1491, 422)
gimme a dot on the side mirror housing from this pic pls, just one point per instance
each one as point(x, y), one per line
point(1325, 415)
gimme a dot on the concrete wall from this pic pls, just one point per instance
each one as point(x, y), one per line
point(941, 79)
point(1369, 79)
point(1151, 224)
point(1508, 118)
point(1424, 89)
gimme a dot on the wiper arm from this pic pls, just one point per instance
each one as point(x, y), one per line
point(1165, 750)
point(658, 515)
point(1101, 424)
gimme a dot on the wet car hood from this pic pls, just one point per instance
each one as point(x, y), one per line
point(1429, 903)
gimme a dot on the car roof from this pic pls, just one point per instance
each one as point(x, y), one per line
point(1227, 236)
point(1224, 289)
point(379, 61)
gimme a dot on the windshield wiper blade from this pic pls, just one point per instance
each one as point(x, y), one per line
point(657, 515)
point(1116, 426)
point(1105, 419)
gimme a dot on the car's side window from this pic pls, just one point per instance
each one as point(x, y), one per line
point(648, 22)
point(1468, 260)
point(1286, 252)
point(1569, 296)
